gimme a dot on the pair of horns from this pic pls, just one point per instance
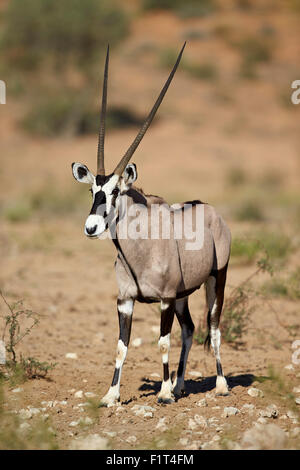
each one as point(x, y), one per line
point(127, 156)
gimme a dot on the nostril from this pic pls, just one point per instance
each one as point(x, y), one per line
point(91, 230)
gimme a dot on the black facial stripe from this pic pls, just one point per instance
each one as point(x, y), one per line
point(100, 200)
point(115, 194)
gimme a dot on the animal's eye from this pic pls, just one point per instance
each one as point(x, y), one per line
point(115, 191)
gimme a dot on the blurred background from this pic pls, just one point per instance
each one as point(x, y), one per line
point(227, 133)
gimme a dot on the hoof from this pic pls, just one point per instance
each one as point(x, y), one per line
point(106, 403)
point(222, 394)
point(178, 393)
point(165, 401)
point(221, 387)
point(102, 404)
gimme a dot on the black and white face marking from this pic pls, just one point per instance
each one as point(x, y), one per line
point(105, 192)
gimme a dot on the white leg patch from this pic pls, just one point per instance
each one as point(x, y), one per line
point(164, 347)
point(216, 341)
point(112, 396)
point(126, 307)
point(221, 386)
point(166, 391)
point(121, 354)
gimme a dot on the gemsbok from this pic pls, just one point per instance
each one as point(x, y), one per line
point(162, 266)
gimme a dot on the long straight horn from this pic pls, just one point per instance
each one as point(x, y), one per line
point(125, 159)
point(100, 152)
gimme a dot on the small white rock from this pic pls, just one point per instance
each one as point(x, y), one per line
point(202, 402)
point(296, 390)
point(143, 410)
point(17, 390)
point(229, 411)
point(137, 342)
point(255, 392)
point(71, 356)
point(270, 412)
point(297, 401)
point(289, 367)
point(161, 425)
point(291, 414)
point(90, 394)
point(78, 394)
point(131, 439)
point(73, 423)
point(195, 373)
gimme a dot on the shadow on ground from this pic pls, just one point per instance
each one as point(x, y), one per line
point(152, 387)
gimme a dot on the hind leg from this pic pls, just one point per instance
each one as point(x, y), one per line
point(215, 286)
point(167, 315)
point(187, 329)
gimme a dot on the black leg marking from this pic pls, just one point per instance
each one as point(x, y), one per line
point(187, 330)
point(115, 379)
point(125, 309)
point(215, 286)
point(167, 317)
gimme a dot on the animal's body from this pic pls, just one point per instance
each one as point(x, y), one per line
point(158, 269)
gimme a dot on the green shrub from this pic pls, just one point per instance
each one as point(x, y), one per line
point(249, 211)
point(35, 31)
point(202, 71)
point(184, 8)
point(254, 50)
point(18, 212)
point(280, 287)
point(277, 245)
point(69, 112)
point(245, 248)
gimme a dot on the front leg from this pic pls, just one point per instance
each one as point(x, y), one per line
point(167, 317)
point(125, 309)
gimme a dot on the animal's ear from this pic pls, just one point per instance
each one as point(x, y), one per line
point(82, 174)
point(129, 176)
